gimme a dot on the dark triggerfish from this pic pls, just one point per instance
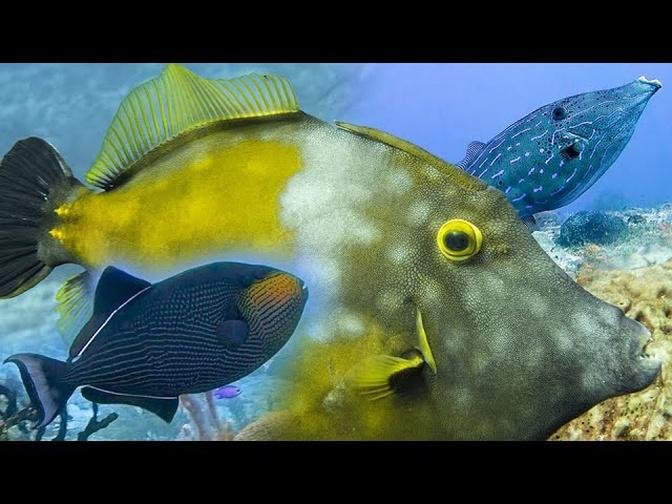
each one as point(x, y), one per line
point(392, 241)
point(147, 344)
point(553, 155)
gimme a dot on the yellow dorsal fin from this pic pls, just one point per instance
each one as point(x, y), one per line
point(423, 344)
point(373, 377)
point(177, 101)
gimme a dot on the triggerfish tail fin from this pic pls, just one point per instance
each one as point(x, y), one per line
point(34, 182)
point(43, 379)
point(74, 305)
point(380, 375)
point(163, 407)
point(178, 101)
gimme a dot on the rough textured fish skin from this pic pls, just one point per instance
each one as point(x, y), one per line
point(519, 347)
point(550, 157)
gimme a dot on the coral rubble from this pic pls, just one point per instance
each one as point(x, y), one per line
point(644, 294)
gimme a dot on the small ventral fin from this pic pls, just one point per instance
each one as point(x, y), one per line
point(374, 377)
point(177, 101)
point(74, 305)
point(473, 151)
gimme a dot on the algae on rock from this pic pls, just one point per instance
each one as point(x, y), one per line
point(644, 294)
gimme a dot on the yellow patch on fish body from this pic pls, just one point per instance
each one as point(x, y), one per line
point(209, 196)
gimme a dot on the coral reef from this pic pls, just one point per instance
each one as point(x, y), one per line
point(644, 294)
point(591, 227)
point(205, 423)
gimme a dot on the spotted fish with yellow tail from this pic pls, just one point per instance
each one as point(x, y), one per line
point(392, 241)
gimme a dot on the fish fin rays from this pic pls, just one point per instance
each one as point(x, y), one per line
point(163, 407)
point(74, 305)
point(177, 101)
point(379, 376)
point(473, 151)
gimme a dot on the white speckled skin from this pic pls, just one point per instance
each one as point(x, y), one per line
point(520, 347)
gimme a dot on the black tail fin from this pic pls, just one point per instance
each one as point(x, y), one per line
point(34, 181)
point(43, 379)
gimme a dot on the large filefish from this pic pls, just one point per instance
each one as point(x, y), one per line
point(553, 155)
point(391, 241)
point(146, 344)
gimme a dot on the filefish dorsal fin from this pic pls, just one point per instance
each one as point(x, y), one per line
point(406, 146)
point(389, 139)
point(177, 101)
point(473, 151)
point(113, 290)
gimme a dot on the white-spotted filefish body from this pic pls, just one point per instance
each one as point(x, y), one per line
point(550, 157)
point(147, 344)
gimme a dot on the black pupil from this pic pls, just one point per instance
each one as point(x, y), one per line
point(559, 113)
point(456, 240)
point(571, 152)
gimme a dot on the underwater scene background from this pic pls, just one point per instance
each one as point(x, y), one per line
point(621, 251)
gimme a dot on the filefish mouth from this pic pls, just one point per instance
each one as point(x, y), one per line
point(643, 355)
point(655, 84)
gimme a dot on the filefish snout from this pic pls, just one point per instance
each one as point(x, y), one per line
point(273, 306)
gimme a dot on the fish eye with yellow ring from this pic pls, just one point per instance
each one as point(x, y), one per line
point(459, 239)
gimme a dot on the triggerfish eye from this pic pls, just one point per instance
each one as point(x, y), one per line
point(459, 239)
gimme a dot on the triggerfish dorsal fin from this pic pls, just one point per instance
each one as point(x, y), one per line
point(473, 151)
point(377, 376)
point(178, 101)
point(115, 289)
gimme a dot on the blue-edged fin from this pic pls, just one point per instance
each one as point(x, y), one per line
point(473, 151)
point(43, 378)
point(115, 289)
point(178, 101)
point(74, 305)
point(232, 333)
point(163, 407)
point(379, 376)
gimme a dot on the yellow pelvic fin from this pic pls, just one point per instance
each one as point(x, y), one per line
point(177, 101)
point(423, 344)
point(374, 377)
point(74, 305)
